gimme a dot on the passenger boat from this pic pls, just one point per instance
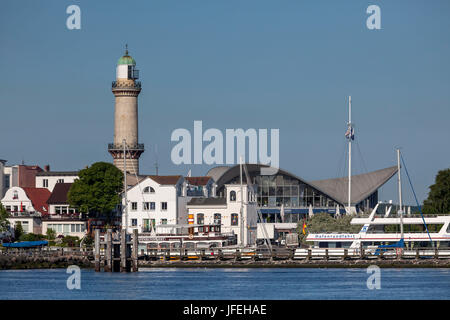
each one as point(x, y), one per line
point(373, 236)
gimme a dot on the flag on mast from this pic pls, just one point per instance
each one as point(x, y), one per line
point(350, 133)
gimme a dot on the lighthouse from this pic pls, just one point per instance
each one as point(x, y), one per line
point(126, 90)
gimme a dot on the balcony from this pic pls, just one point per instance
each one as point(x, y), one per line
point(136, 85)
point(119, 147)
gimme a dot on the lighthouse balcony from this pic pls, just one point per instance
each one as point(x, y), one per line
point(121, 85)
point(119, 147)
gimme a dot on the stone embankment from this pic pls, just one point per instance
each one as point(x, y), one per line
point(24, 261)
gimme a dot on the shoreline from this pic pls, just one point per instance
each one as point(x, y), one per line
point(24, 263)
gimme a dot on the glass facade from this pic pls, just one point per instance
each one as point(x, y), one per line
point(273, 191)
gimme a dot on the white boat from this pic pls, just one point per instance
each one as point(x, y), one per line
point(372, 236)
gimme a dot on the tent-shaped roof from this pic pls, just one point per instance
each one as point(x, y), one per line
point(363, 185)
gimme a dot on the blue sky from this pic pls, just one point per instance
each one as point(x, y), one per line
point(232, 64)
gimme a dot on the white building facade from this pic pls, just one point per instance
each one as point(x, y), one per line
point(227, 213)
point(48, 179)
point(154, 202)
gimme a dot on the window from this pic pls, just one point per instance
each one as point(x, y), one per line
point(149, 190)
point(233, 196)
point(234, 219)
point(134, 206)
point(60, 181)
point(15, 195)
point(163, 221)
point(152, 206)
point(16, 208)
point(134, 222)
point(200, 220)
point(58, 210)
point(25, 226)
point(146, 223)
point(45, 183)
point(164, 206)
point(217, 218)
point(72, 228)
point(8, 208)
point(64, 210)
point(6, 182)
point(77, 227)
point(66, 228)
point(146, 206)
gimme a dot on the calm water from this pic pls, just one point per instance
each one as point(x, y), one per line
point(227, 284)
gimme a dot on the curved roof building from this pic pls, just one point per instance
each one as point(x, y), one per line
point(298, 195)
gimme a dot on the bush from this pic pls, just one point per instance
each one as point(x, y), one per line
point(70, 241)
point(31, 237)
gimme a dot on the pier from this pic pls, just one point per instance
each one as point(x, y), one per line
point(117, 252)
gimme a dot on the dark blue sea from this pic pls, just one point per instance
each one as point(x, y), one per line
point(227, 284)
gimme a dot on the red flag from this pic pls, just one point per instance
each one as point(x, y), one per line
point(20, 206)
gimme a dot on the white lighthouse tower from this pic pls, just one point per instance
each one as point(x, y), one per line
point(126, 89)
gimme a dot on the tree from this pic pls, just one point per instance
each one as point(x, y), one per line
point(97, 189)
point(4, 223)
point(438, 201)
point(323, 222)
point(18, 230)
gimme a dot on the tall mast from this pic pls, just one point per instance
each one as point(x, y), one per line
point(400, 211)
point(350, 135)
point(125, 208)
point(242, 205)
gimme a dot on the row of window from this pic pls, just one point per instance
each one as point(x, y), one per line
point(66, 228)
point(148, 206)
point(218, 219)
point(14, 208)
point(146, 226)
point(45, 182)
point(64, 210)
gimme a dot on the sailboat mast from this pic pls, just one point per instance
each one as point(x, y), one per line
point(349, 152)
point(242, 204)
point(125, 208)
point(400, 211)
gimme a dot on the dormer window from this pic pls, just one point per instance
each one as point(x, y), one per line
point(233, 196)
point(15, 195)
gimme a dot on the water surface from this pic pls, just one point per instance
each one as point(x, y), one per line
point(227, 284)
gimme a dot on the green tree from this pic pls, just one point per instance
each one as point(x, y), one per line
point(438, 201)
point(51, 234)
point(4, 223)
point(323, 222)
point(98, 189)
point(18, 230)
